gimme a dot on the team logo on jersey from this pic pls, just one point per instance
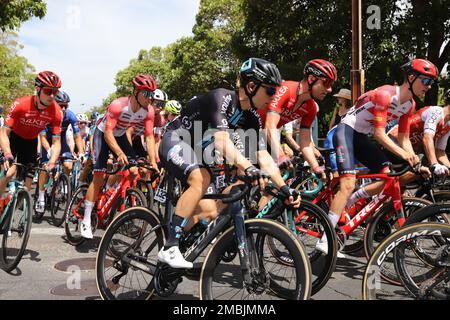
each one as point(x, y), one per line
point(187, 123)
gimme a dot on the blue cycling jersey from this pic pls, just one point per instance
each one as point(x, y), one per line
point(69, 119)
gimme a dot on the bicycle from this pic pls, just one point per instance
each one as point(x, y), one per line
point(120, 254)
point(422, 246)
point(317, 220)
point(57, 194)
point(15, 222)
point(125, 195)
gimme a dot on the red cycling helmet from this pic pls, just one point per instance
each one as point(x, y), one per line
point(47, 79)
point(321, 68)
point(421, 66)
point(144, 82)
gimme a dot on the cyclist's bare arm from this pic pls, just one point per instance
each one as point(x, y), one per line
point(112, 142)
point(271, 129)
point(226, 147)
point(44, 141)
point(268, 165)
point(291, 141)
point(79, 143)
point(307, 147)
point(428, 145)
point(4, 140)
point(129, 134)
point(151, 149)
point(381, 137)
point(442, 157)
point(56, 149)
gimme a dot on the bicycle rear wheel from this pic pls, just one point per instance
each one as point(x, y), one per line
point(131, 240)
point(271, 279)
point(17, 231)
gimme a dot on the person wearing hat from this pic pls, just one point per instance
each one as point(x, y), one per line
point(344, 100)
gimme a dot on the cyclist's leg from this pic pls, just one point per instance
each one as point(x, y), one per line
point(42, 180)
point(180, 161)
point(28, 156)
point(370, 155)
point(100, 161)
point(65, 152)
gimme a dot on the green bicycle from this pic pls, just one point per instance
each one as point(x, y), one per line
point(15, 224)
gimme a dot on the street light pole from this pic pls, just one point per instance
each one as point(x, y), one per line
point(357, 72)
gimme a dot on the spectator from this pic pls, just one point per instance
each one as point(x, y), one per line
point(344, 100)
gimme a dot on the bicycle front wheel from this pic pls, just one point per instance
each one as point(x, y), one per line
point(270, 278)
point(60, 198)
point(17, 231)
point(127, 254)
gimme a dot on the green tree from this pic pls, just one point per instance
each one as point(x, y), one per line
point(16, 74)
point(14, 12)
point(291, 32)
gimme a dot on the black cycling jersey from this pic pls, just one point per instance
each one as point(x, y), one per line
point(217, 110)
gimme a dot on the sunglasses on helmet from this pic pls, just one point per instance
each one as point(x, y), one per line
point(427, 81)
point(50, 91)
point(148, 94)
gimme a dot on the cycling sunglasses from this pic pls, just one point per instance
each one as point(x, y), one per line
point(160, 104)
point(148, 94)
point(50, 91)
point(427, 81)
point(327, 83)
point(270, 91)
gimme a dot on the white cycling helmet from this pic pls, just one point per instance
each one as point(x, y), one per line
point(160, 95)
point(81, 117)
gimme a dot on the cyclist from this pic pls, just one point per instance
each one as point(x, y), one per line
point(369, 117)
point(161, 99)
point(219, 110)
point(430, 130)
point(296, 101)
point(27, 117)
point(69, 119)
point(110, 135)
point(88, 164)
point(173, 109)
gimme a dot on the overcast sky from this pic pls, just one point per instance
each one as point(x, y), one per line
point(86, 42)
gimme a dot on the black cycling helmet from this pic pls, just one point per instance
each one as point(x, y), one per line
point(447, 97)
point(260, 70)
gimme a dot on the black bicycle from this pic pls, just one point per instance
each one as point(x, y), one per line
point(239, 264)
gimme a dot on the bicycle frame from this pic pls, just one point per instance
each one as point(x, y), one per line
point(19, 185)
point(121, 189)
point(390, 191)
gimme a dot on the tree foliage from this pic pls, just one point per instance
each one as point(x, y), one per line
point(14, 12)
point(291, 32)
point(16, 74)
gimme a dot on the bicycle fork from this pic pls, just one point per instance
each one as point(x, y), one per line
point(246, 247)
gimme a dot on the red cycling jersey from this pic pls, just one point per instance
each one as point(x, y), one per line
point(25, 120)
point(427, 120)
point(284, 102)
point(375, 108)
point(119, 117)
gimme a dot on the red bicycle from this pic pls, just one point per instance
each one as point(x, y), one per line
point(382, 215)
point(124, 196)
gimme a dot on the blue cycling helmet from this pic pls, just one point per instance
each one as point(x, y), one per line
point(94, 116)
point(62, 98)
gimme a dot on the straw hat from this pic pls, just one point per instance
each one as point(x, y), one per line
point(344, 93)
